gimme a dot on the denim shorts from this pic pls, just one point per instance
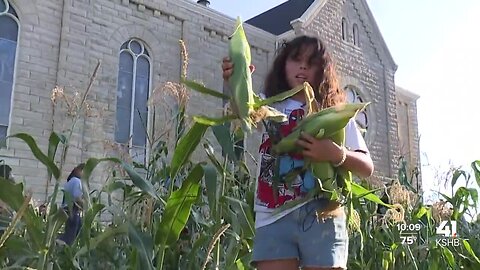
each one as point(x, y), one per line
point(300, 236)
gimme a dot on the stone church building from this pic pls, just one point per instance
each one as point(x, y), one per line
point(50, 43)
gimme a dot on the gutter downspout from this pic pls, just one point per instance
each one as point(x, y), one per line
point(52, 119)
point(389, 147)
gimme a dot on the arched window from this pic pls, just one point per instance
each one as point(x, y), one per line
point(9, 29)
point(362, 117)
point(133, 89)
point(344, 29)
point(356, 36)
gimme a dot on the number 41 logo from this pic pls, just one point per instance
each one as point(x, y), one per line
point(444, 229)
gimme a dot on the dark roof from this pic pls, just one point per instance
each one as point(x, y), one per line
point(277, 20)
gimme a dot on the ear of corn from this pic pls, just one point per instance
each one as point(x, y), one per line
point(244, 102)
point(334, 183)
point(325, 174)
point(242, 96)
point(328, 123)
point(331, 120)
point(339, 137)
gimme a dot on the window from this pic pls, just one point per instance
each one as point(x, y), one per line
point(9, 29)
point(356, 36)
point(344, 29)
point(132, 94)
point(362, 117)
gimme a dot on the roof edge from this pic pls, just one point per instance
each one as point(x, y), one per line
point(312, 11)
point(378, 33)
point(286, 35)
point(406, 92)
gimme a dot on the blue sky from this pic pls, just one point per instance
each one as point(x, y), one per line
point(435, 44)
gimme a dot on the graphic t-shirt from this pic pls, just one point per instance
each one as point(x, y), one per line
point(269, 198)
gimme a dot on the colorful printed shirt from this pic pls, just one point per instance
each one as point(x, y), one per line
point(268, 198)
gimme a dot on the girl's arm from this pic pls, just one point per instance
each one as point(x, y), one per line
point(359, 163)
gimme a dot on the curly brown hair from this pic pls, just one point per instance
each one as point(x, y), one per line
point(326, 88)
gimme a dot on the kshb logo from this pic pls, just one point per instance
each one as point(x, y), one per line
point(447, 231)
point(450, 234)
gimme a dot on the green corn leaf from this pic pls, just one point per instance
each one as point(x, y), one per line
point(10, 227)
point(209, 121)
point(476, 169)
point(474, 194)
point(89, 218)
point(232, 218)
point(239, 265)
point(20, 247)
point(411, 257)
point(37, 153)
point(195, 251)
point(207, 146)
point(202, 89)
point(108, 233)
point(449, 257)
point(12, 195)
point(310, 195)
point(111, 187)
point(186, 146)
point(53, 142)
point(244, 215)
point(279, 97)
point(244, 261)
point(211, 186)
point(420, 213)
point(144, 246)
point(256, 99)
point(470, 250)
point(178, 208)
point(361, 192)
point(456, 175)
point(55, 221)
point(137, 180)
point(231, 252)
point(222, 134)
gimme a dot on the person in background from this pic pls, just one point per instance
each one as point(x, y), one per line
point(73, 192)
point(6, 172)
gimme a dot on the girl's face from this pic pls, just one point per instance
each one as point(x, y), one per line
point(300, 69)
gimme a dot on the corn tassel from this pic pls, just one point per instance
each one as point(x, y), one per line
point(242, 95)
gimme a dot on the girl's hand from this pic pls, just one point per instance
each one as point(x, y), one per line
point(227, 68)
point(319, 150)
